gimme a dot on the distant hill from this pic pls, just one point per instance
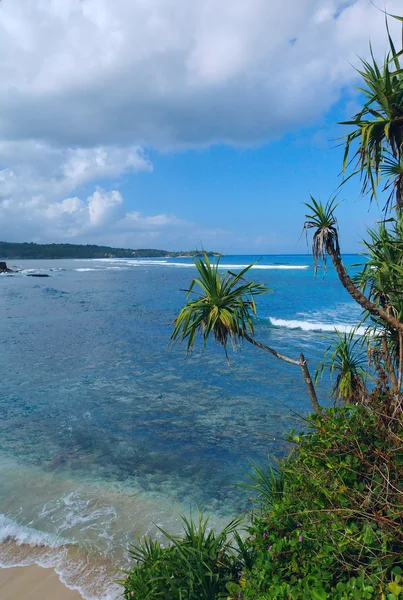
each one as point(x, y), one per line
point(11, 250)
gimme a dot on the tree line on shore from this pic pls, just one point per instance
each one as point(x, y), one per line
point(30, 250)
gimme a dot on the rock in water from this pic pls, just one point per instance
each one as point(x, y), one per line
point(4, 268)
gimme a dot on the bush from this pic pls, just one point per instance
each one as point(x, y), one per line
point(334, 527)
point(198, 565)
point(328, 523)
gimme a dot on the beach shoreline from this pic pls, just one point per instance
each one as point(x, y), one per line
point(34, 583)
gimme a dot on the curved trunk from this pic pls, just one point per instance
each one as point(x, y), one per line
point(358, 296)
point(389, 365)
point(309, 384)
point(399, 383)
point(299, 363)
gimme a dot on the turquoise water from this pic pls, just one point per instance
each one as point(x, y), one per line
point(104, 426)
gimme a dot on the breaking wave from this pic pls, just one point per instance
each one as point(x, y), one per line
point(21, 534)
point(312, 326)
point(167, 263)
point(22, 546)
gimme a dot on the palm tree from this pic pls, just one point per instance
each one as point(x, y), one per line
point(348, 360)
point(223, 305)
point(377, 135)
point(325, 241)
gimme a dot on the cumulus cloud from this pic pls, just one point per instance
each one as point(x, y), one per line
point(173, 72)
point(87, 84)
point(34, 192)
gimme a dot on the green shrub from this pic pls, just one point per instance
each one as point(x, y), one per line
point(328, 523)
point(198, 565)
point(334, 527)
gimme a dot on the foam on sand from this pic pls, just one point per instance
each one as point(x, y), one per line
point(11, 530)
point(22, 546)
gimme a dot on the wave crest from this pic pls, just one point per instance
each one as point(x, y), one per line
point(12, 531)
point(143, 262)
point(312, 326)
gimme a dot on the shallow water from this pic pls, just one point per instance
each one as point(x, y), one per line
point(104, 426)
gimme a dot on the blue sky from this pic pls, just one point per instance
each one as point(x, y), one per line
point(175, 124)
point(257, 194)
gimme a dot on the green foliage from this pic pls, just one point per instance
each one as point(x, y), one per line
point(328, 523)
point(268, 484)
point(382, 275)
point(377, 135)
point(322, 219)
point(347, 359)
point(14, 250)
point(224, 306)
point(337, 529)
point(197, 565)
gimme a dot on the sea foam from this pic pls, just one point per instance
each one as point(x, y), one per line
point(312, 326)
point(22, 546)
point(166, 263)
point(21, 534)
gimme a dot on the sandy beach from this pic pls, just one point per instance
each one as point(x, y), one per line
point(33, 583)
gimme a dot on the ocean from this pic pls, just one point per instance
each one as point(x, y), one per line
point(107, 430)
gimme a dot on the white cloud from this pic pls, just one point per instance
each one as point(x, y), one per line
point(104, 206)
point(86, 84)
point(42, 199)
point(34, 191)
point(174, 72)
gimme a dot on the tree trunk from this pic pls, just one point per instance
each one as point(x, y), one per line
point(389, 365)
point(399, 383)
point(309, 384)
point(299, 363)
point(358, 296)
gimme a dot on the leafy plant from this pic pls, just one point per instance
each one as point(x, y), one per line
point(377, 135)
point(197, 564)
point(268, 484)
point(326, 237)
point(225, 307)
point(336, 531)
point(348, 361)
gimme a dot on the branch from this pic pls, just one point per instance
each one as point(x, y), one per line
point(268, 349)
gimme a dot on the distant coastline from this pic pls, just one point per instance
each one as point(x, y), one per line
point(30, 250)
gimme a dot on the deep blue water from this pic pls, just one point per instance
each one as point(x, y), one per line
point(104, 424)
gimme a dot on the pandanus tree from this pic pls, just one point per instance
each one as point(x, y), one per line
point(382, 279)
point(377, 288)
point(222, 305)
point(325, 242)
point(374, 151)
point(374, 146)
point(347, 361)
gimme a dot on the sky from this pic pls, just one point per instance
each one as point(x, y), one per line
point(177, 125)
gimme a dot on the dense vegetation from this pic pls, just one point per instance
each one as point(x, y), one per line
point(327, 523)
point(327, 520)
point(13, 250)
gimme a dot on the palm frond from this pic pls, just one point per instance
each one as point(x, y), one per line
point(322, 219)
point(377, 129)
point(382, 275)
point(224, 306)
point(347, 360)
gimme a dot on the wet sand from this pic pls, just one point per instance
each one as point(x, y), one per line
point(33, 583)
